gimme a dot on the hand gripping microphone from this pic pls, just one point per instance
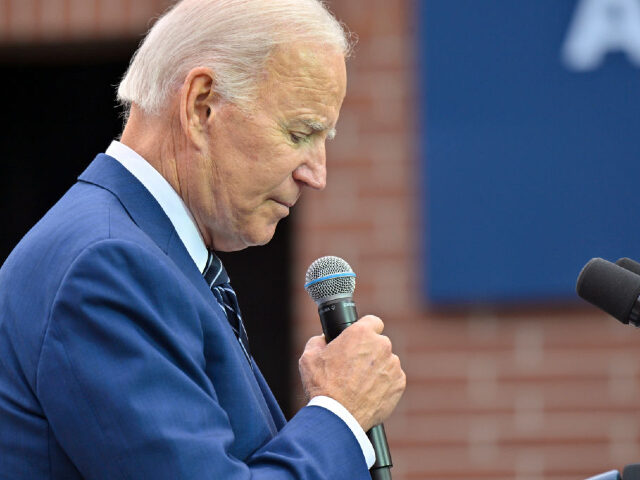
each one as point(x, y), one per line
point(330, 282)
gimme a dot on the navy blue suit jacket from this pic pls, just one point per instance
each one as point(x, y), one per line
point(116, 361)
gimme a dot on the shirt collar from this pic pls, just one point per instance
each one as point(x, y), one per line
point(167, 197)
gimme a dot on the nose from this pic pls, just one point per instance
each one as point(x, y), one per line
point(313, 172)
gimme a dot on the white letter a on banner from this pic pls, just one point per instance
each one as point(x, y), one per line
point(600, 27)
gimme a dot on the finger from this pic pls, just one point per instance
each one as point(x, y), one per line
point(317, 341)
point(386, 344)
point(373, 322)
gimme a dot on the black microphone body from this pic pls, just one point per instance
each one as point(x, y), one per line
point(335, 316)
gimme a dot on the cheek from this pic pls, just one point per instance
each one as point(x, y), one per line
point(267, 169)
point(200, 176)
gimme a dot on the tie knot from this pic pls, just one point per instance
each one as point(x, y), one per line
point(214, 273)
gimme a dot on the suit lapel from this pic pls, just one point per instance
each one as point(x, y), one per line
point(106, 172)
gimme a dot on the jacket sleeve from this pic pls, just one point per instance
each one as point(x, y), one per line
point(121, 378)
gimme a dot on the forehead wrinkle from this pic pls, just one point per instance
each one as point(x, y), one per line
point(301, 69)
point(304, 85)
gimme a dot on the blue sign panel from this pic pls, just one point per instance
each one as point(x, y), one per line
point(531, 144)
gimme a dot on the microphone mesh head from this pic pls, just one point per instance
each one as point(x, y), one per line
point(327, 266)
point(630, 265)
point(609, 287)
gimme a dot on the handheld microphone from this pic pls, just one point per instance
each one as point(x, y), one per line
point(330, 282)
point(611, 288)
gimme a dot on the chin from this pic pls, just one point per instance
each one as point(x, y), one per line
point(263, 240)
point(261, 236)
point(254, 234)
point(247, 239)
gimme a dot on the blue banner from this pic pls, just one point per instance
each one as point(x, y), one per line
point(530, 144)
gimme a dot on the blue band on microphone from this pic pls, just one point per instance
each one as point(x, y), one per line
point(327, 277)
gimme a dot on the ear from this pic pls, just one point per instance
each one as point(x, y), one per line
point(197, 101)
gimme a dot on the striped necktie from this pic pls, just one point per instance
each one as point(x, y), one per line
point(218, 281)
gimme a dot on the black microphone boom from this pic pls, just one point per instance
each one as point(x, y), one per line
point(629, 264)
point(330, 282)
point(611, 288)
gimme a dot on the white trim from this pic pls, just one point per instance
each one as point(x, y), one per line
point(338, 409)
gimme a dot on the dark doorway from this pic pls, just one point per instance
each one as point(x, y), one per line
point(58, 112)
point(261, 278)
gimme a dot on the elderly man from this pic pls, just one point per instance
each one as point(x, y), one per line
point(122, 351)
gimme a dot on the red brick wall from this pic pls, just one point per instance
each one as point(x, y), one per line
point(527, 394)
point(29, 21)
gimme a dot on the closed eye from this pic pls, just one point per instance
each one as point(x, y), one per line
point(298, 137)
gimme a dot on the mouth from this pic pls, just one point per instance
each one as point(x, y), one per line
point(285, 203)
point(283, 208)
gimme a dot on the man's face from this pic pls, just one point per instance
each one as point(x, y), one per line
point(258, 161)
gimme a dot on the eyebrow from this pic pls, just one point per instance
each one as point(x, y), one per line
point(320, 127)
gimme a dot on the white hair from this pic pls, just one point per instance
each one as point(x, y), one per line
point(232, 37)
